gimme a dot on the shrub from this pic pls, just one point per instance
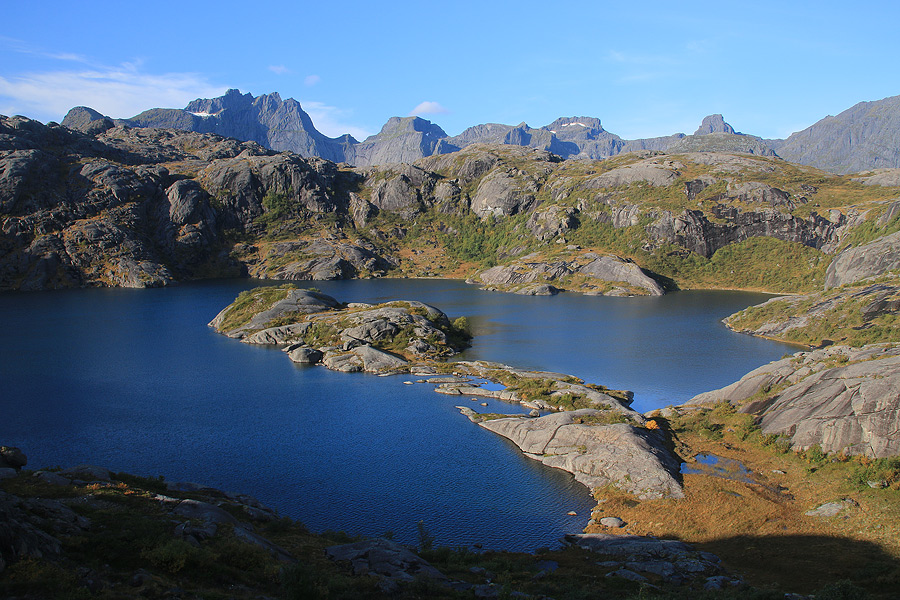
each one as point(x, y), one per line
point(171, 556)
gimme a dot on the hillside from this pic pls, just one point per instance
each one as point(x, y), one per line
point(143, 207)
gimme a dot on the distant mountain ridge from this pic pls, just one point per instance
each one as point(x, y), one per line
point(865, 136)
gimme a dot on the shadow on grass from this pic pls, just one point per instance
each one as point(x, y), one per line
point(806, 563)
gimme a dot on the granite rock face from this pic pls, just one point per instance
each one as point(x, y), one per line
point(401, 140)
point(267, 120)
point(714, 124)
point(861, 262)
point(865, 136)
point(601, 270)
point(840, 398)
point(628, 456)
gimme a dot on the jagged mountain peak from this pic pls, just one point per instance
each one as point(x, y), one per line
point(573, 124)
point(863, 137)
point(398, 125)
point(714, 124)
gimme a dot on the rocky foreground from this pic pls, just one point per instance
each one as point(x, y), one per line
point(87, 532)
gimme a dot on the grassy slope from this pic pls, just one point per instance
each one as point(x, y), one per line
point(839, 316)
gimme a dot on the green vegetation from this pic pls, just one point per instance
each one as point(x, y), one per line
point(252, 302)
point(842, 315)
point(606, 417)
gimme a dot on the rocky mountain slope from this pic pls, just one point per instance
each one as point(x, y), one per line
point(267, 120)
point(139, 207)
point(866, 136)
point(283, 125)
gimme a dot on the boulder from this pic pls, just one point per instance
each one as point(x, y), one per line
point(305, 355)
point(12, 458)
point(386, 559)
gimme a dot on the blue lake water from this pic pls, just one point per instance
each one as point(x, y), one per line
point(134, 380)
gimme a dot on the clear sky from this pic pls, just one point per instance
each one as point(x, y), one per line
point(645, 68)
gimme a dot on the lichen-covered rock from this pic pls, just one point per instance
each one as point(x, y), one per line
point(12, 458)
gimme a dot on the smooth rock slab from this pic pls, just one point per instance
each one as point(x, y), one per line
point(87, 473)
point(631, 458)
point(840, 398)
point(364, 358)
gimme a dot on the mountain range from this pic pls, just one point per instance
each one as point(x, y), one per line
point(866, 136)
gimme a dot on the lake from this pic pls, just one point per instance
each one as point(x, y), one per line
point(135, 381)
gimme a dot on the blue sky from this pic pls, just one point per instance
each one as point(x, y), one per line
point(644, 68)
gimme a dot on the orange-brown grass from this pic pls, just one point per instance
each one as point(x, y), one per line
point(433, 260)
point(759, 529)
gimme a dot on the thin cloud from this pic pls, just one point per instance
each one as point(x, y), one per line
point(22, 47)
point(279, 69)
point(119, 91)
point(330, 120)
point(615, 56)
point(311, 80)
point(428, 108)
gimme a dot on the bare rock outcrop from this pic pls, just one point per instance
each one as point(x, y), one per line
point(628, 456)
point(313, 327)
point(392, 563)
point(868, 260)
point(604, 271)
point(882, 177)
point(655, 172)
point(840, 398)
